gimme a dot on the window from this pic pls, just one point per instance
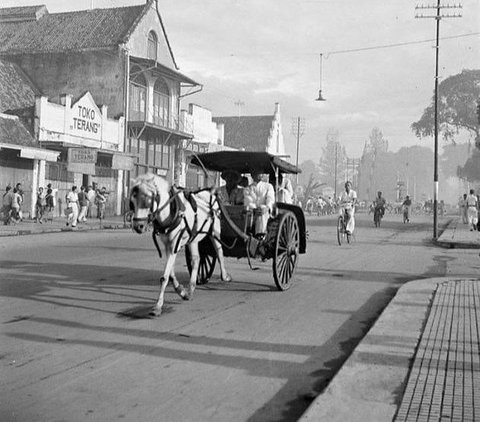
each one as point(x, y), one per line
point(152, 46)
point(161, 103)
point(138, 95)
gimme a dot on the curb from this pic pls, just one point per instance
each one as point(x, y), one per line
point(370, 385)
point(46, 230)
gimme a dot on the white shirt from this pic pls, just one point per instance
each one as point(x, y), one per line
point(471, 200)
point(346, 199)
point(258, 194)
point(72, 198)
point(285, 191)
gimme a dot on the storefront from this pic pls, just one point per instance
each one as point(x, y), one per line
point(89, 146)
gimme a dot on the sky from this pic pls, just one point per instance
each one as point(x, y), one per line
point(373, 60)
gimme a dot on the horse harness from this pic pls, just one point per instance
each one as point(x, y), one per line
point(177, 216)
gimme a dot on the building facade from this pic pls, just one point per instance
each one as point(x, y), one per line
point(122, 58)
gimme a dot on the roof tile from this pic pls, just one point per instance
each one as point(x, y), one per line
point(250, 133)
point(12, 131)
point(70, 31)
point(16, 91)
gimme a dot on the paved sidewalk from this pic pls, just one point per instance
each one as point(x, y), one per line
point(421, 359)
point(28, 227)
point(458, 235)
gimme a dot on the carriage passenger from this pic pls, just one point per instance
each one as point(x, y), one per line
point(260, 197)
point(231, 193)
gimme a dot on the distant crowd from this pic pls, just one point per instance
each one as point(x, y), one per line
point(80, 205)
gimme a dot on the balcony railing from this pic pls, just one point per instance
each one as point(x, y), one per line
point(182, 123)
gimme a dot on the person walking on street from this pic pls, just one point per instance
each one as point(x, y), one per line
point(463, 208)
point(83, 202)
point(101, 200)
point(49, 205)
point(17, 200)
point(472, 210)
point(72, 203)
point(7, 201)
point(20, 195)
point(40, 206)
point(91, 194)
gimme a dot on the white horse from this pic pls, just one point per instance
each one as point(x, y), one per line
point(177, 222)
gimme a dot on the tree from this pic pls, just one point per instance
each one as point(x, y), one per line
point(457, 103)
point(471, 170)
point(333, 159)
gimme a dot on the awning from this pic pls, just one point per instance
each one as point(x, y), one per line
point(152, 129)
point(152, 64)
point(32, 152)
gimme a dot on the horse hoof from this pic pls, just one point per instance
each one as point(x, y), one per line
point(226, 279)
point(155, 312)
point(181, 292)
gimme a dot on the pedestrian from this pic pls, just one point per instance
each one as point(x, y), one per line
point(20, 197)
point(91, 194)
point(72, 207)
point(472, 210)
point(49, 205)
point(83, 202)
point(7, 200)
point(39, 206)
point(101, 201)
point(54, 196)
point(463, 208)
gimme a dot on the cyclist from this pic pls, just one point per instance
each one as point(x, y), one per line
point(406, 208)
point(346, 203)
point(379, 204)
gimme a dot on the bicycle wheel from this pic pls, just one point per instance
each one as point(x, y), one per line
point(340, 230)
point(127, 219)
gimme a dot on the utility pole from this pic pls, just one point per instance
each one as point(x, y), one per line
point(298, 130)
point(336, 159)
point(437, 16)
point(239, 105)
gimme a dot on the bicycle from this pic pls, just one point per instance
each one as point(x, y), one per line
point(342, 234)
point(377, 217)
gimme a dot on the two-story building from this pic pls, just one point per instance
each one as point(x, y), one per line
point(253, 133)
point(122, 58)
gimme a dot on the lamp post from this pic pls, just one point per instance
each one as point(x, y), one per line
point(320, 97)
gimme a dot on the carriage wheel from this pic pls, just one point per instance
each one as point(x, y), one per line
point(285, 254)
point(340, 230)
point(206, 266)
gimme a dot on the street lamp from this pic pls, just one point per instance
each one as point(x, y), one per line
point(320, 97)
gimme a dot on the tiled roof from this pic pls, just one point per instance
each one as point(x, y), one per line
point(70, 31)
point(12, 131)
point(246, 132)
point(16, 91)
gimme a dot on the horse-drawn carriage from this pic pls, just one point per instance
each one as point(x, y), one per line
point(285, 236)
point(211, 229)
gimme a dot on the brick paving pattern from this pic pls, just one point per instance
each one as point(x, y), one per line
point(444, 382)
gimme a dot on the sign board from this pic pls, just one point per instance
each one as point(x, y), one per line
point(123, 162)
point(86, 118)
point(82, 160)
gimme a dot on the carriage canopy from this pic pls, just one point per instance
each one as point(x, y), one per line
point(243, 162)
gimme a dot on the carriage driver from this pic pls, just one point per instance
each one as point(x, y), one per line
point(231, 193)
point(260, 197)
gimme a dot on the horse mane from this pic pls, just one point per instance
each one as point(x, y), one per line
point(152, 182)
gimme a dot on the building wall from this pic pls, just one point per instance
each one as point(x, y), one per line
point(138, 46)
point(102, 73)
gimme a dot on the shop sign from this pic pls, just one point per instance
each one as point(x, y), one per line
point(86, 118)
point(82, 160)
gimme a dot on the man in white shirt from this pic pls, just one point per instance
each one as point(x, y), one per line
point(346, 202)
point(72, 202)
point(472, 210)
point(260, 197)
